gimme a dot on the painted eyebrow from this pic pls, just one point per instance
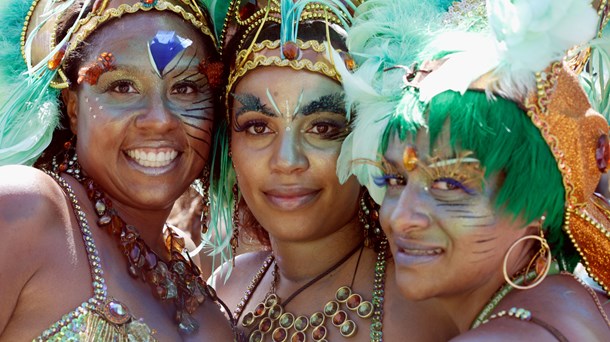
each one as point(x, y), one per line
point(452, 161)
point(333, 103)
point(251, 103)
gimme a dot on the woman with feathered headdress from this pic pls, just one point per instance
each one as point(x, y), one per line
point(325, 273)
point(117, 96)
point(485, 153)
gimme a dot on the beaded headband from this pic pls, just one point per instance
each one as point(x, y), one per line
point(245, 21)
point(106, 10)
point(29, 92)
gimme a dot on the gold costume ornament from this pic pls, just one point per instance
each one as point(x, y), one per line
point(246, 19)
point(40, 34)
point(578, 139)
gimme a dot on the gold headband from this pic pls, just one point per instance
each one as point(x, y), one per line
point(104, 11)
point(311, 55)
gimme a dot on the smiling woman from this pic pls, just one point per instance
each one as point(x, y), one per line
point(137, 101)
point(485, 154)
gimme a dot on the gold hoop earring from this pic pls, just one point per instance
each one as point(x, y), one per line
point(542, 256)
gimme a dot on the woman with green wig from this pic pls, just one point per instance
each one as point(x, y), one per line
point(112, 101)
point(484, 152)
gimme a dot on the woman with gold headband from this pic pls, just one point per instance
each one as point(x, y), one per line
point(325, 274)
point(126, 85)
point(486, 158)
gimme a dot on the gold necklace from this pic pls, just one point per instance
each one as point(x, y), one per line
point(270, 319)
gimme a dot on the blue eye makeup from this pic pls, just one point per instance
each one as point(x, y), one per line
point(389, 180)
point(450, 184)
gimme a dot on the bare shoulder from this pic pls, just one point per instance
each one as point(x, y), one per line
point(560, 306)
point(27, 193)
point(214, 325)
point(30, 203)
point(30, 210)
point(246, 267)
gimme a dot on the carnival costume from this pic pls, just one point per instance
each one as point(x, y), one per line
point(243, 30)
point(503, 65)
point(36, 51)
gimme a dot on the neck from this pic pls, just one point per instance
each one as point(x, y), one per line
point(465, 307)
point(301, 261)
point(149, 224)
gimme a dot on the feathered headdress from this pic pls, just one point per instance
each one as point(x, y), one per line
point(32, 62)
point(244, 49)
point(386, 39)
point(521, 57)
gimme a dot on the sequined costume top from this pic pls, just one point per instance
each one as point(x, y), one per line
point(99, 318)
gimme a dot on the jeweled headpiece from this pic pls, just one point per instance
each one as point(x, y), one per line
point(520, 57)
point(33, 59)
point(242, 26)
point(264, 33)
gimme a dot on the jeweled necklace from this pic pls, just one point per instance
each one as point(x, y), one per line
point(269, 316)
point(178, 279)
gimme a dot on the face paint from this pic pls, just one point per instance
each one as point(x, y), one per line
point(445, 232)
point(164, 47)
point(288, 115)
point(92, 72)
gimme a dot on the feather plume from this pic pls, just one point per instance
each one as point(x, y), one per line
point(525, 37)
point(530, 35)
point(385, 34)
point(29, 113)
point(596, 81)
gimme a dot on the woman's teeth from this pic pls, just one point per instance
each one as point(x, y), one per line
point(152, 159)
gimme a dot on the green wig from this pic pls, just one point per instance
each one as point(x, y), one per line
point(505, 141)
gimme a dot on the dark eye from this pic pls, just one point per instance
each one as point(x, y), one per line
point(123, 87)
point(449, 184)
point(258, 128)
point(183, 89)
point(321, 128)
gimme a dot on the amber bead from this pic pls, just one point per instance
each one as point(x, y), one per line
point(291, 51)
point(55, 61)
point(409, 158)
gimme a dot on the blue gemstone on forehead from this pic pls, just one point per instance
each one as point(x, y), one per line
point(164, 47)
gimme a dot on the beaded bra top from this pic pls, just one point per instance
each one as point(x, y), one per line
point(99, 318)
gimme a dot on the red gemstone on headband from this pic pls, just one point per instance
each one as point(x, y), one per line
point(291, 51)
point(248, 9)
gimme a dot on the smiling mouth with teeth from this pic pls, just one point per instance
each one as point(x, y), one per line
point(153, 159)
point(435, 251)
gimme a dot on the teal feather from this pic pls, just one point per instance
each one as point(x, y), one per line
point(220, 228)
point(28, 109)
point(385, 34)
point(218, 10)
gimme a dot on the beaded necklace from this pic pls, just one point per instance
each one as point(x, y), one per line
point(485, 314)
point(178, 279)
point(279, 323)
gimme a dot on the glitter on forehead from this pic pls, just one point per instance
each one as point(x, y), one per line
point(164, 47)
